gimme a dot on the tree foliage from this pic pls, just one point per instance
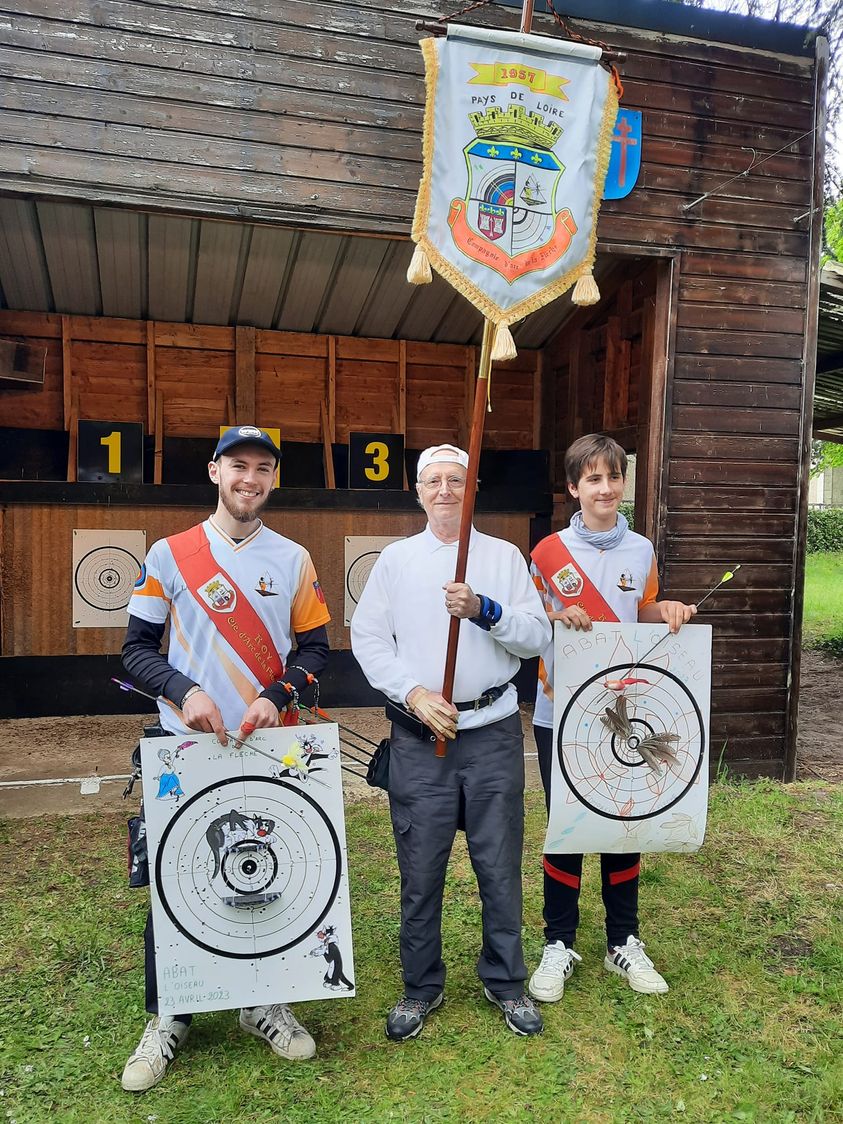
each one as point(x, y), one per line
point(834, 230)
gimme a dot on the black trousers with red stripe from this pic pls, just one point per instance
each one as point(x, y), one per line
point(563, 877)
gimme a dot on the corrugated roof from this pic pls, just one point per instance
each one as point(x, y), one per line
point(828, 396)
point(99, 261)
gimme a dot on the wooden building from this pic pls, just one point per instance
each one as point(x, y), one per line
point(204, 218)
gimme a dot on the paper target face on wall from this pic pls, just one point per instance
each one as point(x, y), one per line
point(630, 763)
point(361, 553)
point(248, 869)
point(105, 567)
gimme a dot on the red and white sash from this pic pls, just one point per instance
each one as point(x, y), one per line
point(226, 606)
point(567, 580)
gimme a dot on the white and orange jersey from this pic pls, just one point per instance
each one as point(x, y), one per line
point(278, 582)
point(626, 578)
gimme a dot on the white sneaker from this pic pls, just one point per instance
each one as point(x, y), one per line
point(158, 1044)
point(630, 961)
point(547, 983)
point(281, 1029)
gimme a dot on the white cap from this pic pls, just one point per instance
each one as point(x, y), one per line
point(448, 454)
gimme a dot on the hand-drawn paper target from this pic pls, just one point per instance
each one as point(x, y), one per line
point(604, 768)
point(248, 867)
point(105, 567)
point(630, 767)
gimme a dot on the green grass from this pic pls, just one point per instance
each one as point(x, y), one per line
point(747, 931)
point(823, 613)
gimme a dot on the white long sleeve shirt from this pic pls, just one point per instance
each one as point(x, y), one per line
point(399, 632)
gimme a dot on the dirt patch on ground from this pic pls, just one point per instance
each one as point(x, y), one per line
point(50, 750)
point(819, 745)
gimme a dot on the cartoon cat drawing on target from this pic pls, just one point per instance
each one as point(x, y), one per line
point(328, 948)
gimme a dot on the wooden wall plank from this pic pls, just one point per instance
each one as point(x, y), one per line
point(244, 376)
point(36, 551)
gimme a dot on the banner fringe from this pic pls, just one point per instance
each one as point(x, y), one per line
point(586, 290)
point(504, 346)
point(418, 271)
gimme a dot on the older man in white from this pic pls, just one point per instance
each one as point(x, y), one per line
point(399, 636)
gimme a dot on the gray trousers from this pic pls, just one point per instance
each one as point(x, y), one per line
point(485, 769)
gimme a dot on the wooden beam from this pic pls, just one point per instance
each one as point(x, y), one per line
point(465, 415)
point(327, 448)
point(150, 376)
point(660, 406)
point(538, 382)
point(822, 435)
point(809, 360)
point(402, 387)
point(244, 375)
point(158, 464)
point(331, 394)
point(66, 372)
point(73, 441)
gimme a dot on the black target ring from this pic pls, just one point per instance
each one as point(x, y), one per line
point(606, 673)
point(632, 744)
point(239, 782)
point(244, 858)
point(358, 574)
point(106, 575)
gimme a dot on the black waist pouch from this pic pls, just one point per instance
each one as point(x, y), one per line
point(408, 721)
point(377, 771)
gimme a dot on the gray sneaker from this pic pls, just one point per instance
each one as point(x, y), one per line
point(278, 1026)
point(406, 1018)
point(161, 1038)
point(521, 1015)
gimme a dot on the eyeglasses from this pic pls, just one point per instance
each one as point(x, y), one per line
point(455, 483)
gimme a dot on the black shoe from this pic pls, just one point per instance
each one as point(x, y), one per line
point(406, 1018)
point(521, 1015)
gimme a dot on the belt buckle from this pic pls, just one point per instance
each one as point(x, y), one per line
point(480, 703)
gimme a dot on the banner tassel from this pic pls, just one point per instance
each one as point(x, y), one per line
point(419, 272)
point(504, 346)
point(585, 290)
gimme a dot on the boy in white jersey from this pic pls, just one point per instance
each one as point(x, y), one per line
point(238, 597)
point(596, 569)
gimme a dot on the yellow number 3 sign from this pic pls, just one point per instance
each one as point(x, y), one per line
point(375, 460)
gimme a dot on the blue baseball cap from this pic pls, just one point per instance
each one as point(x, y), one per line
point(246, 435)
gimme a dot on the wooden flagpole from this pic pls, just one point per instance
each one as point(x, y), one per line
point(481, 396)
point(466, 516)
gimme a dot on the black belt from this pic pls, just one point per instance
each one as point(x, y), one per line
point(486, 699)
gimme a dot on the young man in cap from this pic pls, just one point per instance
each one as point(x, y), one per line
point(215, 673)
point(399, 636)
point(616, 581)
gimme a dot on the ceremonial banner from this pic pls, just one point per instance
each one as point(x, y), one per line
point(630, 739)
point(517, 135)
point(248, 862)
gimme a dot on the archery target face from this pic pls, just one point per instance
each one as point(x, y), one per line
point(361, 553)
point(247, 869)
point(295, 865)
point(105, 567)
point(605, 795)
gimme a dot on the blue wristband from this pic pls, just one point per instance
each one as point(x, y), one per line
point(490, 613)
